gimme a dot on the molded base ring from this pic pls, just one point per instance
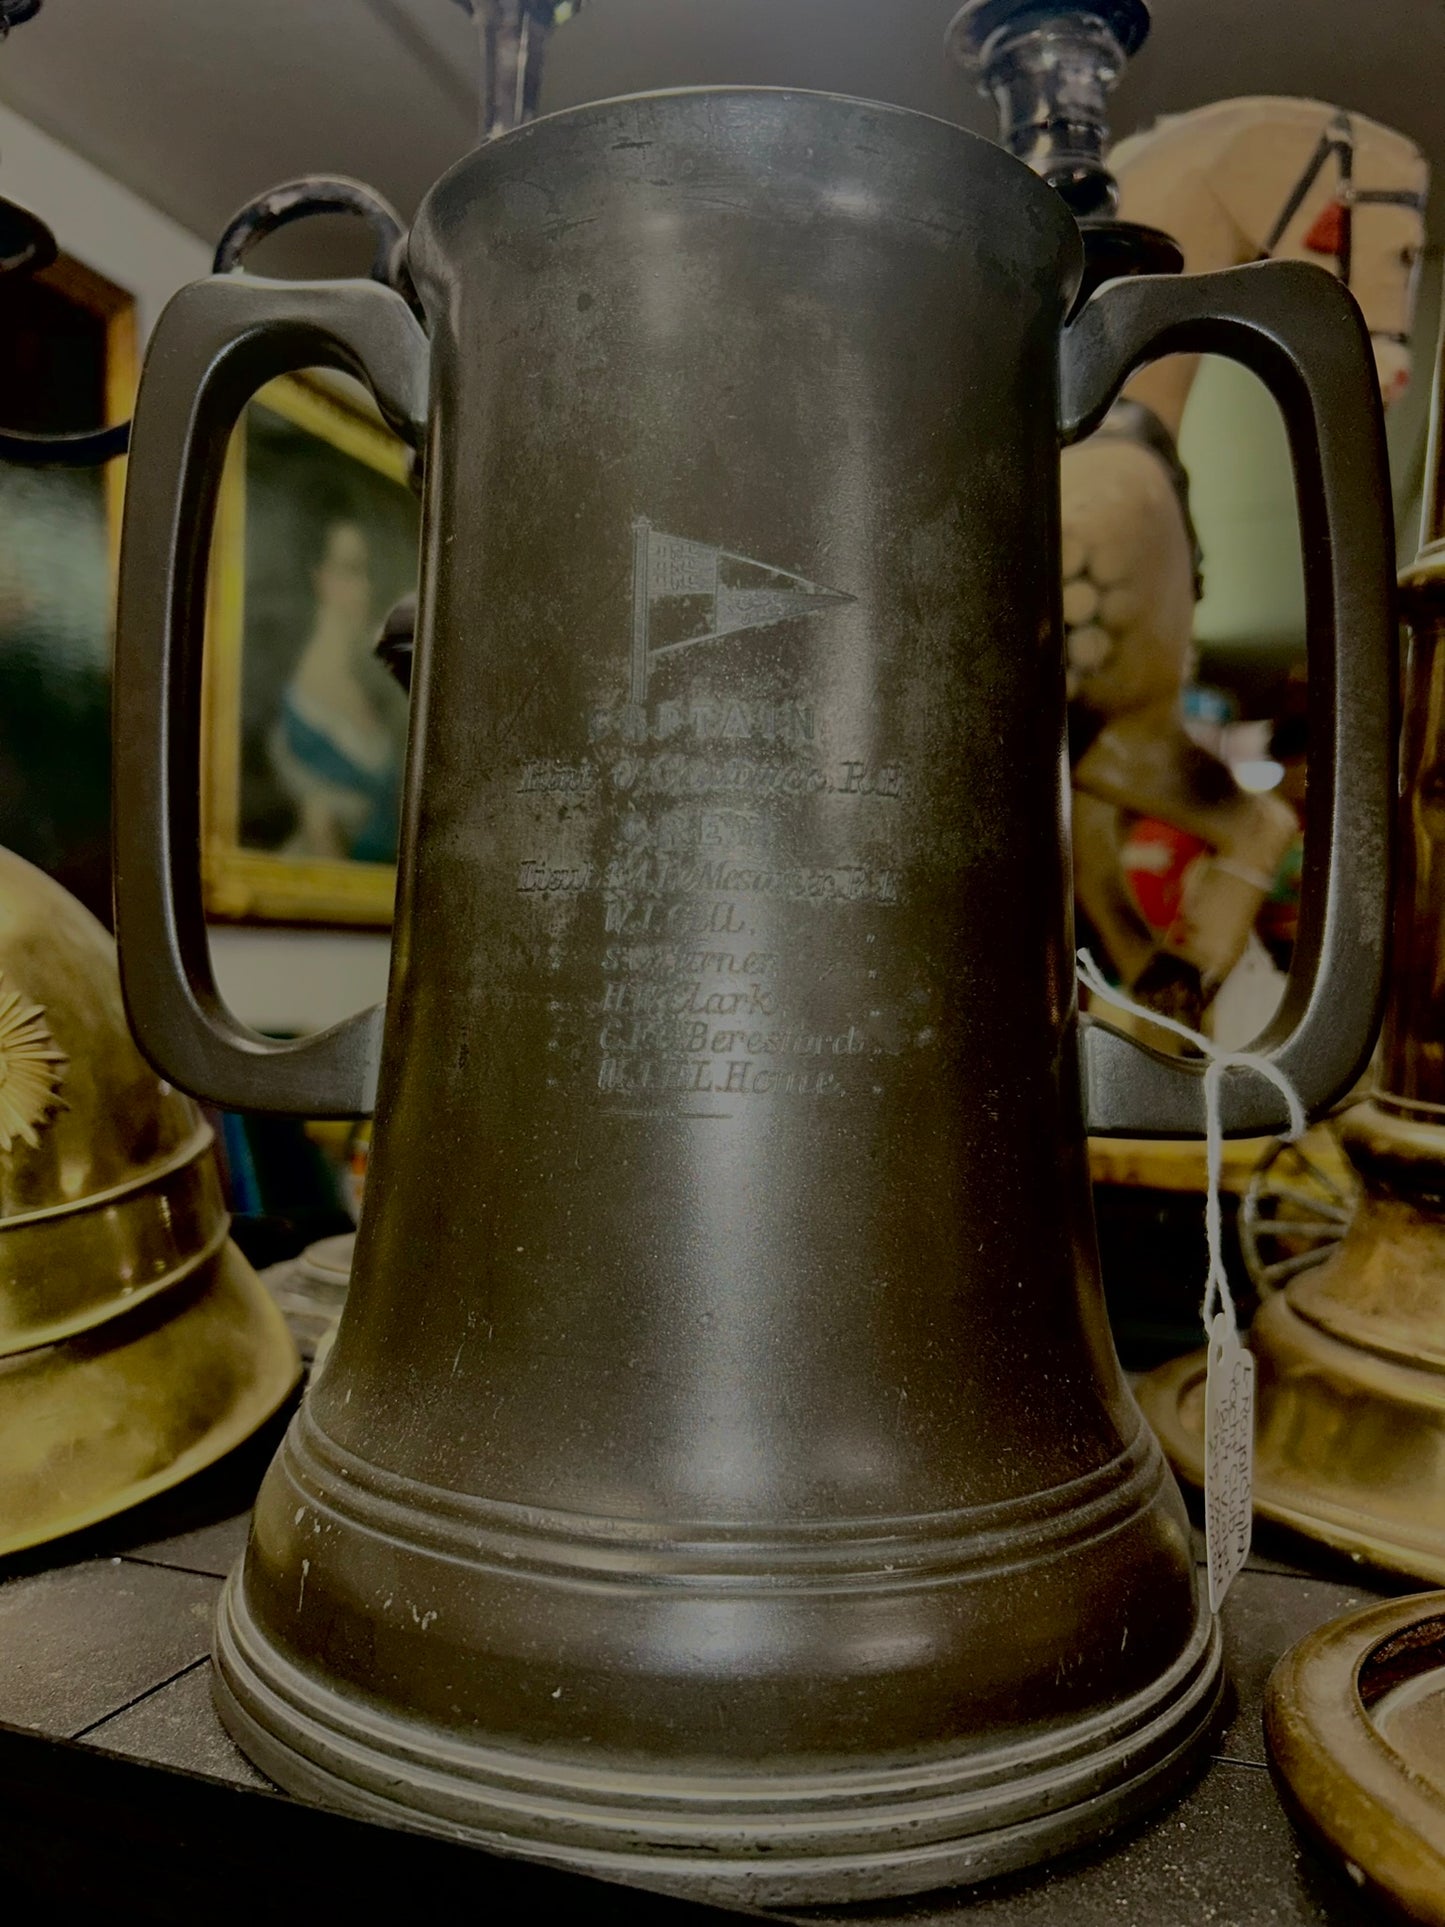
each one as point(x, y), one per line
point(759, 1840)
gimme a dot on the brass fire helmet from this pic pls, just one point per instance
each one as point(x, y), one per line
point(136, 1344)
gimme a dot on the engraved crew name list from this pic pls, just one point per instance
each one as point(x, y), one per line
point(696, 878)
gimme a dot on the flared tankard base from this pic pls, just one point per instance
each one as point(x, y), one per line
point(722, 1477)
point(702, 1788)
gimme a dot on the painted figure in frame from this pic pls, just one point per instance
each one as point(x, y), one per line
point(335, 750)
point(307, 730)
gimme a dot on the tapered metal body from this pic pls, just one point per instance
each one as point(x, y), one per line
point(722, 1476)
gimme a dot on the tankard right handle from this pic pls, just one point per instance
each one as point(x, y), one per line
point(215, 344)
point(1298, 329)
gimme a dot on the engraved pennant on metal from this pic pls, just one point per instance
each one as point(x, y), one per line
point(686, 592)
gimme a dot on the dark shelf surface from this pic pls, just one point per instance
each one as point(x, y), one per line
point(121, 1793)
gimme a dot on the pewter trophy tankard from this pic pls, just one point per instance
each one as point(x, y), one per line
point(723, 1478)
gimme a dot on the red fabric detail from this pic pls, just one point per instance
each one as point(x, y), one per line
point(1157, 858)
point(1327, 230)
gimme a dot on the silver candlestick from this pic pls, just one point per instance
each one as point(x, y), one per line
point(1049, 69)
point(514, 35)
point(14, 13)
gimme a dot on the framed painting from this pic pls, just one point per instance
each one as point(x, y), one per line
point(305, 729)
point(67, 363)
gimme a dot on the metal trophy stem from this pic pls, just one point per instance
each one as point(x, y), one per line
point(1050, 69)
point(514, 35)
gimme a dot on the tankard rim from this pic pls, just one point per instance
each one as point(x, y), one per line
point(1046, 206)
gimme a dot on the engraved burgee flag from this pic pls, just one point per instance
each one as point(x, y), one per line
point(684, 593)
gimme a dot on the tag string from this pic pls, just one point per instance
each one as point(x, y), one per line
point(1219, 1062)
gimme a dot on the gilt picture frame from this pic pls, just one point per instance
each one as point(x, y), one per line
point(304, 728)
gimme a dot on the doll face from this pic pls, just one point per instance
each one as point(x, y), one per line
point(342, 578)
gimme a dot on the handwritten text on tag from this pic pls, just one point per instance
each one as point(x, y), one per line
point(1228, 1456)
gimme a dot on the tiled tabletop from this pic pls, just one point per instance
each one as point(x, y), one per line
point(105, 1641)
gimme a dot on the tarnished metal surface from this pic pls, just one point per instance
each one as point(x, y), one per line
point(1349, 1445)
point(303, 200)
point(1350, 1363)
point(65, 1272)
point(722, 1476)
point(135, 1343)
point(1355, 1719)
point(103, 1123)
point(101, 1422)
point(1382, 1288)
point(109, 1190)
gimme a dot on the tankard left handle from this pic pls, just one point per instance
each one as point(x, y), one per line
point(1295, 327)
point(214, 345)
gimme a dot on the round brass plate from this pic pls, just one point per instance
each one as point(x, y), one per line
point(1355, 1720)
point(102, 1421)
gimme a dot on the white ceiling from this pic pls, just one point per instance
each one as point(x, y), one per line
point(198, 104)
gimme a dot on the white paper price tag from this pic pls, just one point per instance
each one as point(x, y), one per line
point(1228, 1456)
point(1229, 1378)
